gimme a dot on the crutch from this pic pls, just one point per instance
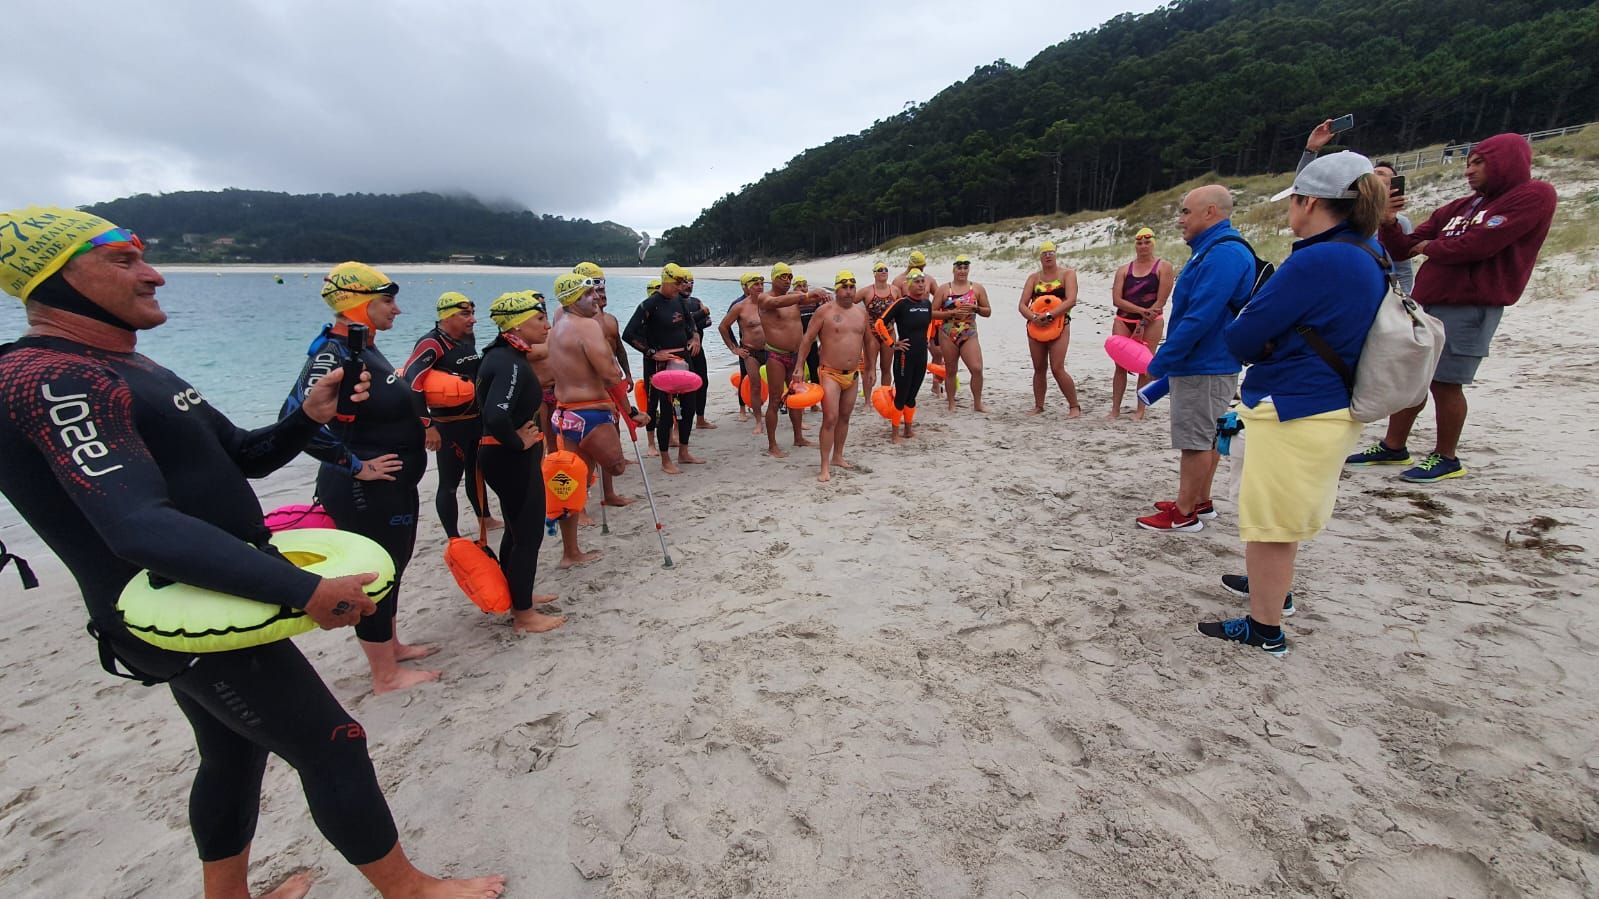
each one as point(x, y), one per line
point(632, 430)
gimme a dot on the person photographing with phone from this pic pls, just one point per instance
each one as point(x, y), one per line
point(163, 486)
point(371, 464)
point(1320, 136)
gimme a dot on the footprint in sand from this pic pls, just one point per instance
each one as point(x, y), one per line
point(1430, 871)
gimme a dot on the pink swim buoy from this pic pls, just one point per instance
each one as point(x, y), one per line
point(292, 518)
point(1129, 353)
point(677, 381)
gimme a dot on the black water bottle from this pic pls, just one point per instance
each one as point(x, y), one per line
point(355, 343)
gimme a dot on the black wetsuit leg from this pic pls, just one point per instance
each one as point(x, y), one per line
point(385, 511)
point(910, 368)
point(457, 460)
point(246, 703)
point(699, 366)
point(515, 477)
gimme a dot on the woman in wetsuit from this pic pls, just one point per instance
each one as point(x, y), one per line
point(878, 297)
point(452, 431)
point(370, 466)
point(1139, 294)
point(964, 300)
point(512, 448)
point(1046, 303)
point(910, 317)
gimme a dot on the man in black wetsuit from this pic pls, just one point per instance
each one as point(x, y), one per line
point(910, 316)
point(120, 465)
point(452, 431)
point(663, 329)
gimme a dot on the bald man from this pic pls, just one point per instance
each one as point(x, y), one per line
point(1195, 360)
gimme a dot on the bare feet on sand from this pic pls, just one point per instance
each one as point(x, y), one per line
point(759, 428)
point(1114, 414)
point(581, 559)
point(534, 622)
point(294, 886)
point(684, 458)
point(408, 652)
point(838, 462)
point(471, 888)
point(617, 499)
point(492, 523)
point(776, 453)
point(801, 441)
point(705, 425)
point(1036, 410)
point(823, 477)
point(1076, 412)
point(668, 466)
point(403, 679)
point(977, 406)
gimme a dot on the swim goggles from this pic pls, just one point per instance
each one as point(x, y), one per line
point(847, 282)
point(116, 237)
point(390, 288)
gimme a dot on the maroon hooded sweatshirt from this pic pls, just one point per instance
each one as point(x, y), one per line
point(1482, 247)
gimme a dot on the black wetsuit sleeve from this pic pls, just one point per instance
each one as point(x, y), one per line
point(423, 357)
point(262, 451)
point(324, 446)
point(702, 318)
point(500, 384)
point(633, 334)
point(122, 492)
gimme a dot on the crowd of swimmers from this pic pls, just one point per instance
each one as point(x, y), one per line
point(121, 466)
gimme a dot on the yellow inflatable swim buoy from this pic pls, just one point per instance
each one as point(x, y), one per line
point(189, 619)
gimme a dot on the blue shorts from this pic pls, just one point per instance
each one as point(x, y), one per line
point(1467, 332)
point(576, 424)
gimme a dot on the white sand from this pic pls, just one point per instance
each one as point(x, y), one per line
point(958, 671)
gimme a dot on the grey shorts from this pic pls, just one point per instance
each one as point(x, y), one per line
point(1467, 332)
point(1196, 402)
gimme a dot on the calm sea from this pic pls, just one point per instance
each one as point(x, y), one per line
point(240, 337)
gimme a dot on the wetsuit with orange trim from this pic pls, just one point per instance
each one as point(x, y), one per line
point(458, 426)
point(911, 318)
point(509, 394)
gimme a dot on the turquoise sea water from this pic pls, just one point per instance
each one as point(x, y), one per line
point(240, 337)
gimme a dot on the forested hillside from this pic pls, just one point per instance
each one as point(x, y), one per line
point(1145, 102)
point(258, 226)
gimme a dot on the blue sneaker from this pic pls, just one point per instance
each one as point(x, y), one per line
point(1434, 468)
point(1238, 585)
point(1243, 630)
point(1379, 454)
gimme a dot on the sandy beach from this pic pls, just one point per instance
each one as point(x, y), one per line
point(958, 670)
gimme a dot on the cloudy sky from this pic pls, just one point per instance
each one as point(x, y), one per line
point(640, 113)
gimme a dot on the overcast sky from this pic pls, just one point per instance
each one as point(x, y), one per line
point(641, 113)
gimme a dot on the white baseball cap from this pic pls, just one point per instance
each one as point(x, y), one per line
point(1330, 177)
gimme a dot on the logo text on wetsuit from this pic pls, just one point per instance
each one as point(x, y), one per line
point(78, 434)
point(187, 399)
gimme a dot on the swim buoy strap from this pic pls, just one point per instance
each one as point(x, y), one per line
point(618, 395)
point(24, 570)
point(882, 331)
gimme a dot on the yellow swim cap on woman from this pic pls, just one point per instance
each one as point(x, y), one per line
point(35, 242)
point(652, 286)
point(452, 303)
point(1048, 247)
point(511, 309)
point(588, 270)
point(352, 284)
point(917, 259)
point(749, 278)
point(1144, 232)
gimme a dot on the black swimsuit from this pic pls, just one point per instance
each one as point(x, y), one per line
point(910, 318)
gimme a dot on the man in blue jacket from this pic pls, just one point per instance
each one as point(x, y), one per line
point(1194, 359)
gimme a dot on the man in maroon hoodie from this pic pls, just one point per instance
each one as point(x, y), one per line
point(1480, 251)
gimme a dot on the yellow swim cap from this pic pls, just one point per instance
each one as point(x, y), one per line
point(352, 284)
point(800, 280)
point(1144, 232)
point(749, 278)
point(780, 269)
point(675, 272)
point(651, 287)
point(452, 303)
point(963, 259)
point(35, 242)
point(914, 274)
point(511, 309)
point(588, 270)
point(1048, 247)
point(842, 276)
point(879, 266)
point(570, 288)
point(917, 259)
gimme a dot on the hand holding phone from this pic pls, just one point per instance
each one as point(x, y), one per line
point(1396, 185)
point(352, 366)
point(1343, 123)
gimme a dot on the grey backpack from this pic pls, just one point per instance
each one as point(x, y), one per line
point(1400, 354)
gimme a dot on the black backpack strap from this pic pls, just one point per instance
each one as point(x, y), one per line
point(24, 571)
point(1325, 351)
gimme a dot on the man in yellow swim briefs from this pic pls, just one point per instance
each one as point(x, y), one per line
point(841, 326)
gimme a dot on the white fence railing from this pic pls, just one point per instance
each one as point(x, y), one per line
point(1458, 152)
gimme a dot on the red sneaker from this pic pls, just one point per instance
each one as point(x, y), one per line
point(1205, 511)
point(1170, 520)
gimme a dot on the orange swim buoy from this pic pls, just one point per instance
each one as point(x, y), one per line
point(883, 402)
point(937, 371)
point(443, 390)
point(1048, 331)
point(744, 390)
point(641, 393)
point(479, 575)
point(566, 484)
point(806, 397)
point(733, 377)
